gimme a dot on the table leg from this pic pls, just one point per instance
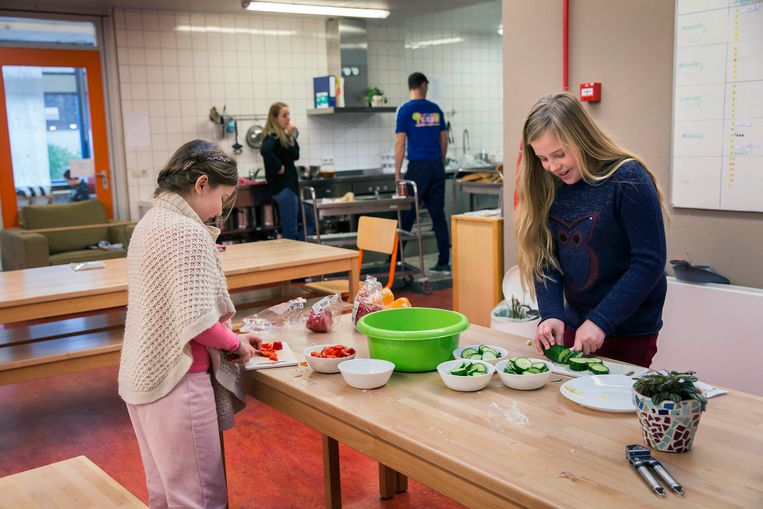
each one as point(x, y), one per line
point(391, 482)
point(401, 484)
point(331, 485)
point(354, 279)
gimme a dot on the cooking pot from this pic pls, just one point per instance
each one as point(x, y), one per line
point(254, 136)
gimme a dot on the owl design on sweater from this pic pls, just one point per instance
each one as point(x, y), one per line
point(579, 262)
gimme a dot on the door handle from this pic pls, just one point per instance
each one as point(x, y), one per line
point(105, 179)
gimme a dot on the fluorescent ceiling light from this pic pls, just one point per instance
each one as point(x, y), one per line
point(500, 29)
point(433, 42)
point(317, 10)
point(232, 30)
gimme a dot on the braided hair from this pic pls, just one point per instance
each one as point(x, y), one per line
point(191, 161)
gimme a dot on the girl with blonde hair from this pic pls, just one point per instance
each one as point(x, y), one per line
point(589, 227)
point(279, 152)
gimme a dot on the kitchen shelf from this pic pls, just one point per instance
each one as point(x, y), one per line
point(350, 109)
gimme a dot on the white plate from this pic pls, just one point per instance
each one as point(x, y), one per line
point(512, 285)
point(609, 393)
point(614, 369)
point(286, 357)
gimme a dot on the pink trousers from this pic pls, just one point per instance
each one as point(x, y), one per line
point(180, 446)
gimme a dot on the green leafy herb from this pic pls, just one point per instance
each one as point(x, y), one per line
point(670, 386)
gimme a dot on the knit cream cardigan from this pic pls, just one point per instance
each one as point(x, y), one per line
point(176, 290)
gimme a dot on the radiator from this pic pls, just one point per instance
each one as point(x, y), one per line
point(715, 330)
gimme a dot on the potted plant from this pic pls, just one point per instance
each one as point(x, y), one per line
point(375, 97)
point(668, 405)
point(521, 312)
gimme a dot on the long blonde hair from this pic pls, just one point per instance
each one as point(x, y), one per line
point(598, 157)
point(272, 126)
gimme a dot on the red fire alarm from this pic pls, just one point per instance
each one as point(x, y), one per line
point(590, 92)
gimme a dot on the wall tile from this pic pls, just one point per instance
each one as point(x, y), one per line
point(176, 76)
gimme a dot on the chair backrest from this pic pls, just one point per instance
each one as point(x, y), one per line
point(377, 234)
point(67, 214)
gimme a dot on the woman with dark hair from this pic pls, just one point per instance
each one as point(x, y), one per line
point(179, 387)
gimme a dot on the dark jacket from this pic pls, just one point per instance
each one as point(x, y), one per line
point(274, 155)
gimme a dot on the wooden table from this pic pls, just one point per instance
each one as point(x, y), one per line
point(73, 483)
point(57, 290)
point(464, 446)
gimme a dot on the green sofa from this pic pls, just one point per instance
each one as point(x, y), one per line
point(22, 248)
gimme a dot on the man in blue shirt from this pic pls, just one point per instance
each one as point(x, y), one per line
point(422, 124)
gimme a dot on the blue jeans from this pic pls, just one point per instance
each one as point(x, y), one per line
point(430, 183)
point(288, 210)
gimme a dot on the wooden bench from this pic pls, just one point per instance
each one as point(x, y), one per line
point(76, 482)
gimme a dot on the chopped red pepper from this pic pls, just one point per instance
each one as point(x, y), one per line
point(334, 352)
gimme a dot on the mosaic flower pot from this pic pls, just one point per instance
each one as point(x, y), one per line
point(668, 426)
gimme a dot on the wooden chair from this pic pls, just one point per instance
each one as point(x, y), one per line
point(374, 234)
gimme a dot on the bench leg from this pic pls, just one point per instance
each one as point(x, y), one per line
point(391, 482)
point(331, 483)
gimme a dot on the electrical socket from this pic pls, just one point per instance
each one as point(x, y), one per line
point(140, 173)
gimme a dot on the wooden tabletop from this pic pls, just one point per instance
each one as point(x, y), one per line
point(73, 483)
point(469, 447)
point(49, 288)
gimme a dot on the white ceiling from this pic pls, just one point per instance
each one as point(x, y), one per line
point(398, 7)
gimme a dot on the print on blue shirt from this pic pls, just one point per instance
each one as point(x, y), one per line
point(421, 121)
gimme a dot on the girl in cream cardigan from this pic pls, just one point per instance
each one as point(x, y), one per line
point(179, 388)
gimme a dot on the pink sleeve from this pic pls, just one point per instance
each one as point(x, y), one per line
point(218, 336)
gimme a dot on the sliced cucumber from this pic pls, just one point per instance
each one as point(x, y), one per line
point(564, 356)
point(489, 354)
point(523, 363)
point(540, 365)
point(553, 352)
point(598, 369)
point(485, 349)
point(479, 369)
point(466, 352)
point(594, 360)
point(578, 364)
point(575, 354)
point(475, 356)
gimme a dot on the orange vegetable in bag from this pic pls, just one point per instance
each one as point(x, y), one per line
point(402, 302)
point(387, 297)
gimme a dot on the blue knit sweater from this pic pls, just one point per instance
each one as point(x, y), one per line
point(609, 239)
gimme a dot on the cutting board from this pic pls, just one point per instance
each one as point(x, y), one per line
point(286, 357)
point(614, 369)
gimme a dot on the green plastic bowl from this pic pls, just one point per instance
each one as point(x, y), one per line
point(415, 339)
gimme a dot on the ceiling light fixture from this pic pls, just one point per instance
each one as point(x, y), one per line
point(433, 42)
point(500, 29)
point(232, 30)
point(316, 10)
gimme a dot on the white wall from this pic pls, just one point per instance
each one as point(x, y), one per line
point(248, 61)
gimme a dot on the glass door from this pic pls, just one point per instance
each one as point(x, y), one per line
point(53, 143)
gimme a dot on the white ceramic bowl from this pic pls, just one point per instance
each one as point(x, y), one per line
point(321, 364)
point(465, 383)
point(366, 373)
point(526, 382)
point(504, 353)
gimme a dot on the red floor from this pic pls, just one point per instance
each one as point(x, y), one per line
point(81, 414)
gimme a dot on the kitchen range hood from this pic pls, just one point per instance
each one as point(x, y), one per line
point(347, 56)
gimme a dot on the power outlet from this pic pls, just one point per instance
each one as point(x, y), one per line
point(327, 160)
point(140, 173)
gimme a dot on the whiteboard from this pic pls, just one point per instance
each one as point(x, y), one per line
point(717, 141)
